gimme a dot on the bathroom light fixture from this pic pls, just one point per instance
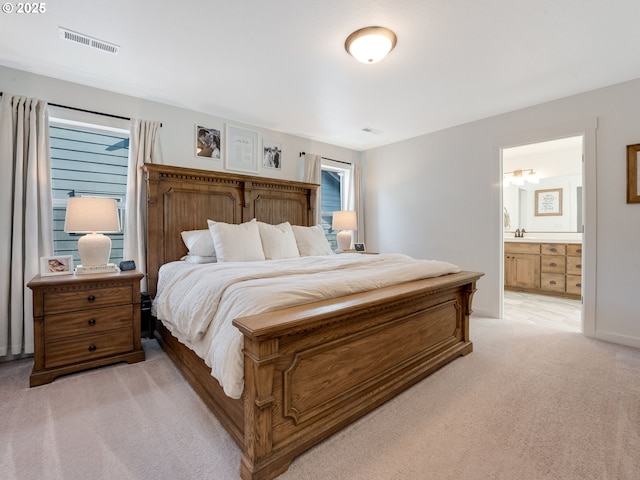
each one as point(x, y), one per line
point(370, 44)
point(518, 177)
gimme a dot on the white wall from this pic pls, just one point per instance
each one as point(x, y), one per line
point(177, 135)
point(439, 196)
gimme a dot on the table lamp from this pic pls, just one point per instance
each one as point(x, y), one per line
point(93, 216)
point(344, 220)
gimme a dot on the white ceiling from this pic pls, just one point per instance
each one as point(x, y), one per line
point(552, 158)
point(281, 64)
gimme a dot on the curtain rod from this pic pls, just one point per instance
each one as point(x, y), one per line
point(87, 111)
point(325, 158)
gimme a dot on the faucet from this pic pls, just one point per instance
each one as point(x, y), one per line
point(519, 233)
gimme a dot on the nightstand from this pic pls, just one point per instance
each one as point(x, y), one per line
point(84, 321)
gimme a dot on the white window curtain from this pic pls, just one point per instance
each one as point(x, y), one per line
point(26, 215)
point(353, 199)
point(144, 147)
point(312, 174)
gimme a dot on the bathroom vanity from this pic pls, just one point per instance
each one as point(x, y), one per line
point(549, 267)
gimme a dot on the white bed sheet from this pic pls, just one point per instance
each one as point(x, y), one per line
point(197, 303)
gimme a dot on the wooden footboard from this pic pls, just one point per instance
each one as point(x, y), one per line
point(311, 370)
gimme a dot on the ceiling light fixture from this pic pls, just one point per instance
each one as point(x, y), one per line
point(370, 44)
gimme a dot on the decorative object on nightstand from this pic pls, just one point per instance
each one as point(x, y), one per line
point(344, 220)
point(85, 321)
point(93, 216)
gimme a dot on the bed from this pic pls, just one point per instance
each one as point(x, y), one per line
point(311, 369)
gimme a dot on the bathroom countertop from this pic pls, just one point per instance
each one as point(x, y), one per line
point(540, 239)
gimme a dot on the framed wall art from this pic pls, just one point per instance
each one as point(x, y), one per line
point(241, 152)
point(549, 202)
point(633, 173)
point(58, 265)
point(208, 142)
point(271, 154)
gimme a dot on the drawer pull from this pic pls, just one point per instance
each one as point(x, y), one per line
point(552, 282)
point(553, 264)
point(579, 265)
point(92, 322)
point(579, 250)
point(92, 348)
point(91, 298)
point(578, 285)
point(553, 249)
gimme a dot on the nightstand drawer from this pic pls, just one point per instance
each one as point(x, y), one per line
point(88, 347)
point(56, 302)
point(63, 325)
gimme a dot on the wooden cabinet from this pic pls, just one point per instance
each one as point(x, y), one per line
point(553, 266)
point(549, 268)
point(84, 321)
point(574, 269)
point(522, 265)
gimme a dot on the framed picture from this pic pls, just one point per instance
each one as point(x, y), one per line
point(359, 247)
point(241, 153)
point(271, 154)
point(207, 142)
point(549, 202)
point(633, 173)
point(59, 265)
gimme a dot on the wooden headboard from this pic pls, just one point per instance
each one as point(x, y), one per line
point(180, 199)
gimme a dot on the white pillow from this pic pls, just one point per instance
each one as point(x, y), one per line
point(311, 241)
point(197, 258)
point(278, 241)
point(236, 243)
point(199, 242)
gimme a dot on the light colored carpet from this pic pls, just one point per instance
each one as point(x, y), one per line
point(529, 403)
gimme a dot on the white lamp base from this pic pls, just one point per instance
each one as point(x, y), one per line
point(344, 240)
point(94, 249)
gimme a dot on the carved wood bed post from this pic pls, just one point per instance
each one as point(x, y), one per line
point(468, 297)
point(260, 358)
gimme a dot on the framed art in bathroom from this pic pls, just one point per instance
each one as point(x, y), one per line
point(548, 202)
point(633, 174)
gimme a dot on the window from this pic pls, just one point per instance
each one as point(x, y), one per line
point(87, 159)
point(333, 184)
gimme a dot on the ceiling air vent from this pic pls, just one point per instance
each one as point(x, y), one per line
point(87, 41)
point(371, 130)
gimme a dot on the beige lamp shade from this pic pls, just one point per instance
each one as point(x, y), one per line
point(344, 220)
point(91, 215)
point(95, 216)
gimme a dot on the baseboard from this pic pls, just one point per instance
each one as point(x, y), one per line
point(615, 338)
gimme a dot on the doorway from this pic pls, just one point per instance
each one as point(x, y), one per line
point(543, 225)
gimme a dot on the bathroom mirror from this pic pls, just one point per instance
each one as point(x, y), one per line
point(563, 213)
point(542, 186)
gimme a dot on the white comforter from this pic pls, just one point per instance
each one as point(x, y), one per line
point(197, 303)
